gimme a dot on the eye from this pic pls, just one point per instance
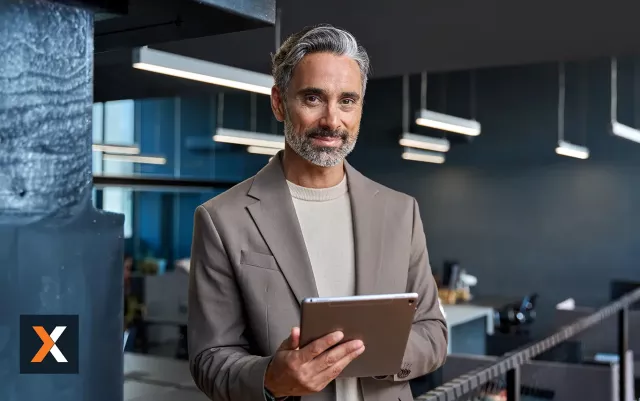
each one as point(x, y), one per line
point(312, 99)
point(348, 101)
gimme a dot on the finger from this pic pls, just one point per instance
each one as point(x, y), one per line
point(295, 338)
point(332, 356)
point(320, 345)
point(334, 370)
point(292, 342)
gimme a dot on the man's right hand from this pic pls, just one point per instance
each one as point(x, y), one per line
point(297, 372)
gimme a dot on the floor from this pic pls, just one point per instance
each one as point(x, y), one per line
point(153, 378)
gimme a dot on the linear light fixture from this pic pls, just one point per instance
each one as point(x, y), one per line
point(249, 138)
point(624, 131)
point(135, 159)
point(565, 148)
point(179, 66)
point(617, 128)
point(116, 149)
point(447, 122)
point(261, 150)
point(423, 156)
point(424, 142)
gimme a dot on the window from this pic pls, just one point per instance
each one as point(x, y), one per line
point(114, 123)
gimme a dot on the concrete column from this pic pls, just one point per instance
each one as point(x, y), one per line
point(58, 255)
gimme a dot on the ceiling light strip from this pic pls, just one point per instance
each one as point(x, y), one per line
point(260, 150)
point(179, 66)
point(424, 142)
point(423, 156)
point(135, 159)
point(249, 138)
point(565, 148)
point(618, 129)
point(116, 149)
point(447, 122)
point(624, 131)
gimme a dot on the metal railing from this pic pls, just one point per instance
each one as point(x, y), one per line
point(509, 364)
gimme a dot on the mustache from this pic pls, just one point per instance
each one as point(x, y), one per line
point(324, 133)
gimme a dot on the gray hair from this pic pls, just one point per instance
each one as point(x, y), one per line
point(316, 39)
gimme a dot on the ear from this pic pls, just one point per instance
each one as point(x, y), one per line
point(277, 104)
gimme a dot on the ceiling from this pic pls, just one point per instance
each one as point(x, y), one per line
point(409, 36)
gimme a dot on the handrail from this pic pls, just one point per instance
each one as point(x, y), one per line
point(471, 381)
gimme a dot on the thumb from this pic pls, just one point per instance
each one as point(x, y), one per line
point(292, 342)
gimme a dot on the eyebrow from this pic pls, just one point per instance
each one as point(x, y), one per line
point(318, 91)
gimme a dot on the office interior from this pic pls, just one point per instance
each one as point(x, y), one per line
point(548, 237)
point(530, 214)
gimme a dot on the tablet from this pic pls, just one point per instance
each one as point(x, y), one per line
point(382, 322)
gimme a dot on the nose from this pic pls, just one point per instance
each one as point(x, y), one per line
point(331, 118)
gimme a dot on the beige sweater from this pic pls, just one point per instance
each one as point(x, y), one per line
point(327, 227)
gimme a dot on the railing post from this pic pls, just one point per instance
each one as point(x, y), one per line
point(623, 346)
point(513, 384)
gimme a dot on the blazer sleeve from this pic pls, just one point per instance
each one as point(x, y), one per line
point(427, 346)
point(220, 361)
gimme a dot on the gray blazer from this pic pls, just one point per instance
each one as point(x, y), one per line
point(250, 271)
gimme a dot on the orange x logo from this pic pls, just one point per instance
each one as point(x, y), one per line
point(49, 344)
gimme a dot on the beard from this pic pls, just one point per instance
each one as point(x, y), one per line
point(323, 156)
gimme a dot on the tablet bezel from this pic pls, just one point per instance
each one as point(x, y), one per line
point(383, 356)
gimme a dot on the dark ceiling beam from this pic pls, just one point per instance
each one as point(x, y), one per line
point(410, 36)
point(147, 22)
point(414, 35)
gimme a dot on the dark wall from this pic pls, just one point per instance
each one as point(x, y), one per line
point(515, 214)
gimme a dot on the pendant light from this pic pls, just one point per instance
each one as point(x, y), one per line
point(429, 149)
point(445, 122)
point(617, 128)
point(564, 147)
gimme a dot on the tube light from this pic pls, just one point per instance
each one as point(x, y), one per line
point(446, 122)
point(423, 156)
point(624, 131)
point(135, 159)
point(249, 138)
point(260, 150)
point(424, 142)
point(568, 149)
point(116, 149)
point(175, 65)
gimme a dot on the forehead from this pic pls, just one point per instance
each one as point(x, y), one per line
point(329, 72)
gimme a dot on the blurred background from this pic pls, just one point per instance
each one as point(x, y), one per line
point(511, 123)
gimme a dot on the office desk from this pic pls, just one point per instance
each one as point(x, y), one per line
point(468, 327)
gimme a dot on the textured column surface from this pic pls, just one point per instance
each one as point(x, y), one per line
point(58, 255)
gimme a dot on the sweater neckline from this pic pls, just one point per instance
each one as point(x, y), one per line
point(318, 194)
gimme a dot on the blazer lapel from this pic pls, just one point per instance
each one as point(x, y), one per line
point(368, 211)
point(276, 219)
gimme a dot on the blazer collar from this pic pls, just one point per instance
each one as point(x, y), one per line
point(276, 219)
point(270, 181)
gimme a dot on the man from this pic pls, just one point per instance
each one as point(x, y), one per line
point(308, 224)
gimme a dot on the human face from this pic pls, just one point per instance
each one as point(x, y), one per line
point(322, 108)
